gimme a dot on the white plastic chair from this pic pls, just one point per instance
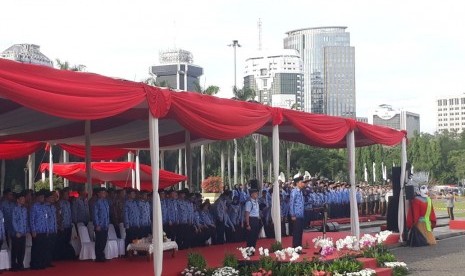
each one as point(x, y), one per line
point(5, 259)
point(111, 249)
point(90, 228)
point(27, 253)
point(87, 247)
point(75, 242)
point(112, 236)
point(122, 231)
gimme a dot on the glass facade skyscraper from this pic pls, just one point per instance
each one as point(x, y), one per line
point(328, 63)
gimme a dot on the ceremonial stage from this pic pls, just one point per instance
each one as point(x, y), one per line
point(139, 265)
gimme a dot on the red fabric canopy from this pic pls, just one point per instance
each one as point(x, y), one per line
point(97, 153)
point(46, 104)
point(118, 173)
point(18, 149)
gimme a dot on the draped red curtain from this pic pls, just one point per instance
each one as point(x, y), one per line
point(18, 149)
point(97, 152)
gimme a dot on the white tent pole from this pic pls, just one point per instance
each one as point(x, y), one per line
point(88, 159)
point(189, 161)
point(30, 168)
point(2, 171)
point(162, 159)
point(401, 213)
point(242, 169)
point(50, 168)
point(133, 176)
point(65, 160)
point(374, 173)
point(157, 229)
point(235, 162)
point(43, 176)
point(137, 171)
point(276, 205)
point(354, 222)
point(202, 162)
point(180, 167)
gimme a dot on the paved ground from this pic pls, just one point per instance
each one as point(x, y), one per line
point(445, 258)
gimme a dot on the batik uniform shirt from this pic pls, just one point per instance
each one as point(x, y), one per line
point(7, 209)
point(144, 211)
point(234, 213)
point(19, 221)
point(131, 214)
point(206, 218)
point(80, 211)
point(184, 215)
point(51, 217)
point(117, 211)
point(65, 208)
point(220, 210)
point(38, 218)
point(172, 211)
point(164, 214)
point(296, 203)
point(101, 214)
point(2, 226)
point(91, 204)
point(284, 209)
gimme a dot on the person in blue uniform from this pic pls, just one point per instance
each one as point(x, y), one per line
point(38, 224)
point(131, 218)
point(80, 209)
point(51, 220)
point(7, 205)
point(63, 248)
point(296, 210)
point(145, 214)
point(20, 228)
point(101, 219)
point(252, 219)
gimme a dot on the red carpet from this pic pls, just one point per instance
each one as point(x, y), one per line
point(171, 266)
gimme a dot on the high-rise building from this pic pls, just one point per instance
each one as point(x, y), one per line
point(276, 78)
point(328, 63)
point(385, 115)
point(26, 53)
point(176, 69)
point(451, 113)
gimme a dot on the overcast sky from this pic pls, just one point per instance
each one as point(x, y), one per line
point(407, 52)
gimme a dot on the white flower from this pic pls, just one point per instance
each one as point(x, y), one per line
point(348, 242)
point(261, 251)
point(382, 236)
point(226, 271)
point(395, 264)
point(266, 252)
point(365, 272)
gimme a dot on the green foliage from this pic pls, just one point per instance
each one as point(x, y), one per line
point(380, 253)
point(400, 271)
point(231, 261)
point(276, 246)
point(196, 260)
point(344, 265)
point(57, 184)
point(266, 262)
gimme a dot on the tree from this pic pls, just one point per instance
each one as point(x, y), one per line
point(210, 90)
point(65, 65)
point(244, 94)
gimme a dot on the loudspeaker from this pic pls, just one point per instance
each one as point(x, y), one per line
point(395, 181)
point(393, 214)
point(409, 192)
point(332, 227)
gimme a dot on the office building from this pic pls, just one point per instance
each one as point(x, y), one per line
point(177, 70)
point(26, 53)
point(276, 78)
point(328, 64)
point(450, 113)
point(387, 116)
point(362, 119)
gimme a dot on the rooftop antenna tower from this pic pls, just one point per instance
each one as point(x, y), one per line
point(259, 34)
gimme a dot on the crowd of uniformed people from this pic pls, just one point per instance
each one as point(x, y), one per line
point(188, 219)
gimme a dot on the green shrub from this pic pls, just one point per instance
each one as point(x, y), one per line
point(231, 261)
point(344, 265)
point(267, 263)
point(400, 271)
point(276, 246)
point(196, 260)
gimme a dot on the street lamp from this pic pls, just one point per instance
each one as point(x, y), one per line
point(235, 44)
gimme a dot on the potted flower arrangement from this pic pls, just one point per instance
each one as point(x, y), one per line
point(212, 187)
